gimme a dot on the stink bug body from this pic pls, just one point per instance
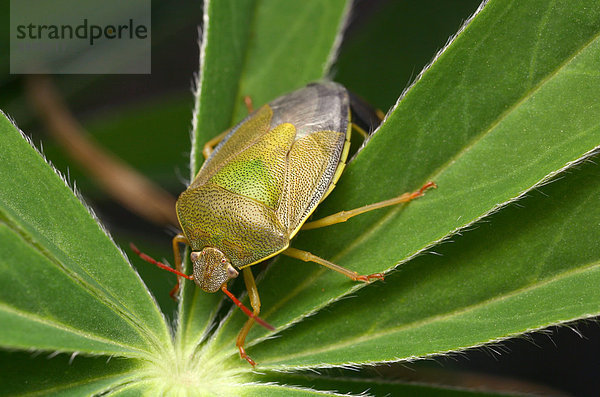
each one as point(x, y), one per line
point(260, 184)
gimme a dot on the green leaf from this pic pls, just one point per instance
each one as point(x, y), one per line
point(359, 386)
point(20, 373)
point(64, 285)
point(524, 268)
point(484, 122)
point(293, 44)
point(279, 390)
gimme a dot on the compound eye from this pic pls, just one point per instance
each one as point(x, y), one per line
point(231, 272)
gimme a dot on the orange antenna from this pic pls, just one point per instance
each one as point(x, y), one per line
point(235, 300)
point(246, 310)
point(149, 259)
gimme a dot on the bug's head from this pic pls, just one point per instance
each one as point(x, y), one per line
point(212, 269)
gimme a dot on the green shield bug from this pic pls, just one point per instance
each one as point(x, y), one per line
point(259, 185)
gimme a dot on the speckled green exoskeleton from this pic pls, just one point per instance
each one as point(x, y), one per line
point(260, 184)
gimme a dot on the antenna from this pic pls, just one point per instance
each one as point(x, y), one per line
point(235, 300)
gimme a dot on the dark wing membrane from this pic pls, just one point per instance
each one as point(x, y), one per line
point(317, 107)
point(320, 113)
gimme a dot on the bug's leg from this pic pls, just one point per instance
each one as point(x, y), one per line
point(178, 239)
point(308, 257)
point(210, 145)
point(343, 216)
point(255, 303)
point(248, 103)
point(360, 130)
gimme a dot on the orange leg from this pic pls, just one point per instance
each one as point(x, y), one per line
point(210, 145)
point(255, 303)
point(308, 257)
point(178, 239)
point(343, 216)
point(248, 103)
point(362, 132)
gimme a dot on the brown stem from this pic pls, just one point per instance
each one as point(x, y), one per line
point(123, 183)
